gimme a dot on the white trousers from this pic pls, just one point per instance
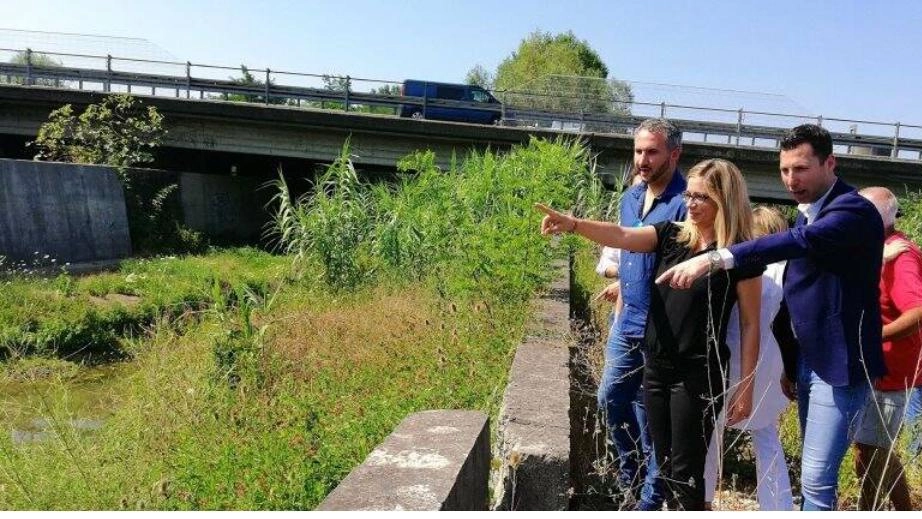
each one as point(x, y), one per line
point(773, 484)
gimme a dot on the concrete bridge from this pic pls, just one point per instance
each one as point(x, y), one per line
point(275, 134)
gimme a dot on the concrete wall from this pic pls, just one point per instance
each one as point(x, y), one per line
point(74, 213)
point(223, 207)
point(434, 460)
point(534, 425)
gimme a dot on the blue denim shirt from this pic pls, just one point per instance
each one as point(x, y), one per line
point(636, 270)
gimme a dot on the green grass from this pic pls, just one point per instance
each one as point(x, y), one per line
point(328, 388)
point(253, 389)
point(67, 315)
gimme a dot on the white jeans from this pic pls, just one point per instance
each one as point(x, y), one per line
point(773, 483)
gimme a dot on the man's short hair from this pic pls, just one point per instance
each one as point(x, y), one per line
point(664, 127)
point(817, 136)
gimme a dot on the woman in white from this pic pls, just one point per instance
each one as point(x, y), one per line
point(609, 261)
point(608, 267)
point(768, 400)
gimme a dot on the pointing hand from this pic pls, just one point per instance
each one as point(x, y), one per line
point(682, 276)
point(555, 222)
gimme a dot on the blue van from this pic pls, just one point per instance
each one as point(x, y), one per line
point(450, 102)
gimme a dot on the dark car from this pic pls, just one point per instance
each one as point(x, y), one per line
point(450, 102)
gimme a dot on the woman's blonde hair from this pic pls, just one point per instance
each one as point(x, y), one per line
point(767, 220)
point(725, 185)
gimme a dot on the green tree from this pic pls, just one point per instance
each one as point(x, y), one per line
point(340, 85)
point(38, 60)
point(119, 132)
point(559, 73)
point(480, 76)
point(384, 90)
point(387, 90)
point(247, 78)
point(622, 96)
point(336, 84)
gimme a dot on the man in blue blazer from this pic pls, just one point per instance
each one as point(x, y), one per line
point(831, 289)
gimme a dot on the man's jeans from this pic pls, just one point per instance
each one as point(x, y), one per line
point(828, 418)
point(620, 400)
point(914, 421)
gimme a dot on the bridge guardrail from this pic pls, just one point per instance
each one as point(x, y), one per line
point(343, 96)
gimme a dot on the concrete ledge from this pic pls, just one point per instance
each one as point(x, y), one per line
point(534, 426)
point(434, 460)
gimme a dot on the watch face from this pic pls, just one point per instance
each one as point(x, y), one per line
point(715, 260)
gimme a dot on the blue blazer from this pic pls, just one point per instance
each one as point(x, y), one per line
point(831, 285)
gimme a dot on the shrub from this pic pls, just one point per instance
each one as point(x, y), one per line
point(473, 227)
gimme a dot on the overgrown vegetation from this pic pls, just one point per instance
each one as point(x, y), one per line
point(910, 217)
point(469, 229)
point(273, 394)
point(121, 132)
point(118, 132)
point(66, 315)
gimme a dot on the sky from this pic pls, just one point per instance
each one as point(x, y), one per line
point(849, 59)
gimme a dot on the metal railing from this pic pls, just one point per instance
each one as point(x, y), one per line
point(738, 127)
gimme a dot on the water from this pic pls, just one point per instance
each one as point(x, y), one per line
point(43, 429)
point(39, 410)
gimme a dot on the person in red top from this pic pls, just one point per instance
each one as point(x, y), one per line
point(877, 462)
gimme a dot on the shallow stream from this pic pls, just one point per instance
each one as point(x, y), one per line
point(38, 410)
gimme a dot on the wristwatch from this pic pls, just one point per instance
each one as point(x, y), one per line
point(715, 262)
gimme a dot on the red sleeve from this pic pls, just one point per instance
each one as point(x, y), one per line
point(906, 292)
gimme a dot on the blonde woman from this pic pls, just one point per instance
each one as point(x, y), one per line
point(773, 487)
point(685, 351)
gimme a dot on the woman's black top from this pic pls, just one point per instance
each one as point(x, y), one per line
point(690, 325)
